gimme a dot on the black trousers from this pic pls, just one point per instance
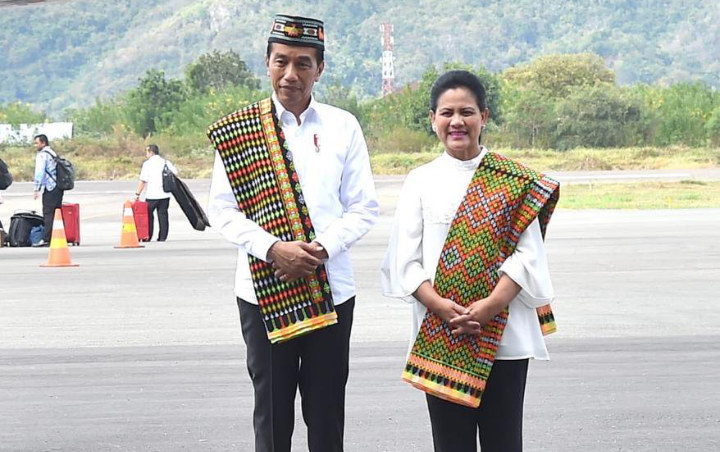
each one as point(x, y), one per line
point(498, 420)
point(161, 205)
point(51, 200)
point(317, 363)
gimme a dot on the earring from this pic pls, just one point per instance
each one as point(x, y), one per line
point(434, 129)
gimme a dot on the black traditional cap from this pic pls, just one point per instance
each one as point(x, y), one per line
point(297, 31)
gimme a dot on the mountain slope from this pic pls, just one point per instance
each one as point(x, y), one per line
point(66, 54)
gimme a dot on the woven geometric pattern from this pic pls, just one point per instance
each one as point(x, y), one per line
point(503, 198)
point(259, 167)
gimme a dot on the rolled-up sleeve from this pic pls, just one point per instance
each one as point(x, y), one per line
point(402, 269)
point(357, 196)
point(528, 267)
point(225, 216)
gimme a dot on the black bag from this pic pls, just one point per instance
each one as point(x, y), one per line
point(20, 225)
point(65, 172)
point(3, 236)
point(190, 207)
point(6, 178)
point(168, 179)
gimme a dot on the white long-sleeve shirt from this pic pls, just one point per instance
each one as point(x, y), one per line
point(429, 199)
point(333, 165)
point(151, 174)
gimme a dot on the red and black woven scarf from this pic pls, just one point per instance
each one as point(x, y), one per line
point(259, 167)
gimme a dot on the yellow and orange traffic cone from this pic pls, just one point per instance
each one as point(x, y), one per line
point(128, 238)
point(59, 253)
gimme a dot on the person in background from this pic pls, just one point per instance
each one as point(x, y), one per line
point(151, 178)
point(45, 184)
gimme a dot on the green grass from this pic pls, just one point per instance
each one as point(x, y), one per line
point(120, 157)
point(673, 157)
point(641, 195)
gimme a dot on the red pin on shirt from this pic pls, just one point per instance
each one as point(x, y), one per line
point(317, 142)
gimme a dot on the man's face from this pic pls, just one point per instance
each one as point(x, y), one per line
point(39, 144)
point(293, 72)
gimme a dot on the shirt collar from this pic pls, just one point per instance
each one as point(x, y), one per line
point(282, 111)
point(465, 164)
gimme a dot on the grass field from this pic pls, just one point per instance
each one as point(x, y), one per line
point(673, 157)
point(641, 195)
point(120, 158)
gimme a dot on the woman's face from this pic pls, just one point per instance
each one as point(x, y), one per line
point(457, 121)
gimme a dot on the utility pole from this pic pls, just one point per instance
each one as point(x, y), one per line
point(388, 70)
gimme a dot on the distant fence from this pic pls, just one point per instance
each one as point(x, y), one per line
point(24, 133)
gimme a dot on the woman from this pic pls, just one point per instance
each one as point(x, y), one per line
point(467, 250)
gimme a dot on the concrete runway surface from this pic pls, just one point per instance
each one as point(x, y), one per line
point(140, 349)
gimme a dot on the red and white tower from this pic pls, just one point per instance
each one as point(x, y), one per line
point(388, 70)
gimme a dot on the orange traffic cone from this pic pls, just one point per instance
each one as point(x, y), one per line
point(128, 238)
point(59, 253)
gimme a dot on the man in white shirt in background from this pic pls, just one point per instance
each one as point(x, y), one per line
point(330, 158)
point(151, 177)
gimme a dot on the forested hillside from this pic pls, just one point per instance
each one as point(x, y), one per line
point(67, 54)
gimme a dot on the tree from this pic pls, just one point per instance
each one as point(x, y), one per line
point(152, 103)
point(600, 116)
point(218, 71)
point(713, 127)
point(529, 118)
point(17, 113)
point(557, 75)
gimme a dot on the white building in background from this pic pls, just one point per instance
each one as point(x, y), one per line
point(25, 132)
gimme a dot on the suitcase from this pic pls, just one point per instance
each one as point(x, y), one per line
point(71, 221)
point(142, 225)
point(20, 225)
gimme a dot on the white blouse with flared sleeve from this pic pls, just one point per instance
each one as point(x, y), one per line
point(429, 199)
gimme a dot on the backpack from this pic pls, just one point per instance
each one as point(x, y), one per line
point(65, 172)
point(168, 179)
point(6, 178)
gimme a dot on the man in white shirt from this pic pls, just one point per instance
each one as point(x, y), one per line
point(328, 170)
point(151, 177)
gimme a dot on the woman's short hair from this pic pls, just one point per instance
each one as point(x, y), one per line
point(458, 79)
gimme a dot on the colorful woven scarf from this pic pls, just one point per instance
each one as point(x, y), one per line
point(502, 200)
point(267, 189)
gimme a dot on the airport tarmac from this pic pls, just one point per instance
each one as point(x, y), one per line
point(140, 349)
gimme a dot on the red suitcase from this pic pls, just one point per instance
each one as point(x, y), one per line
point(71, 221)
point(140, 214)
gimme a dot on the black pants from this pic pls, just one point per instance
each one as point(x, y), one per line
point(51, 200)
point(317, 363)
point(498, 420)
point(162, 213)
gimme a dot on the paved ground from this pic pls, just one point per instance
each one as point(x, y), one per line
point(139, 350)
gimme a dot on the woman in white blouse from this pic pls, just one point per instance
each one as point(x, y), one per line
point(427, 205)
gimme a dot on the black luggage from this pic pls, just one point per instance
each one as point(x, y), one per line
point(20, 225)
point(190, 206)
point(3, 236)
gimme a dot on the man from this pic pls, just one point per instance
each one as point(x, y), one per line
point(46, 182)
point(151, 176)
point(293, 190)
